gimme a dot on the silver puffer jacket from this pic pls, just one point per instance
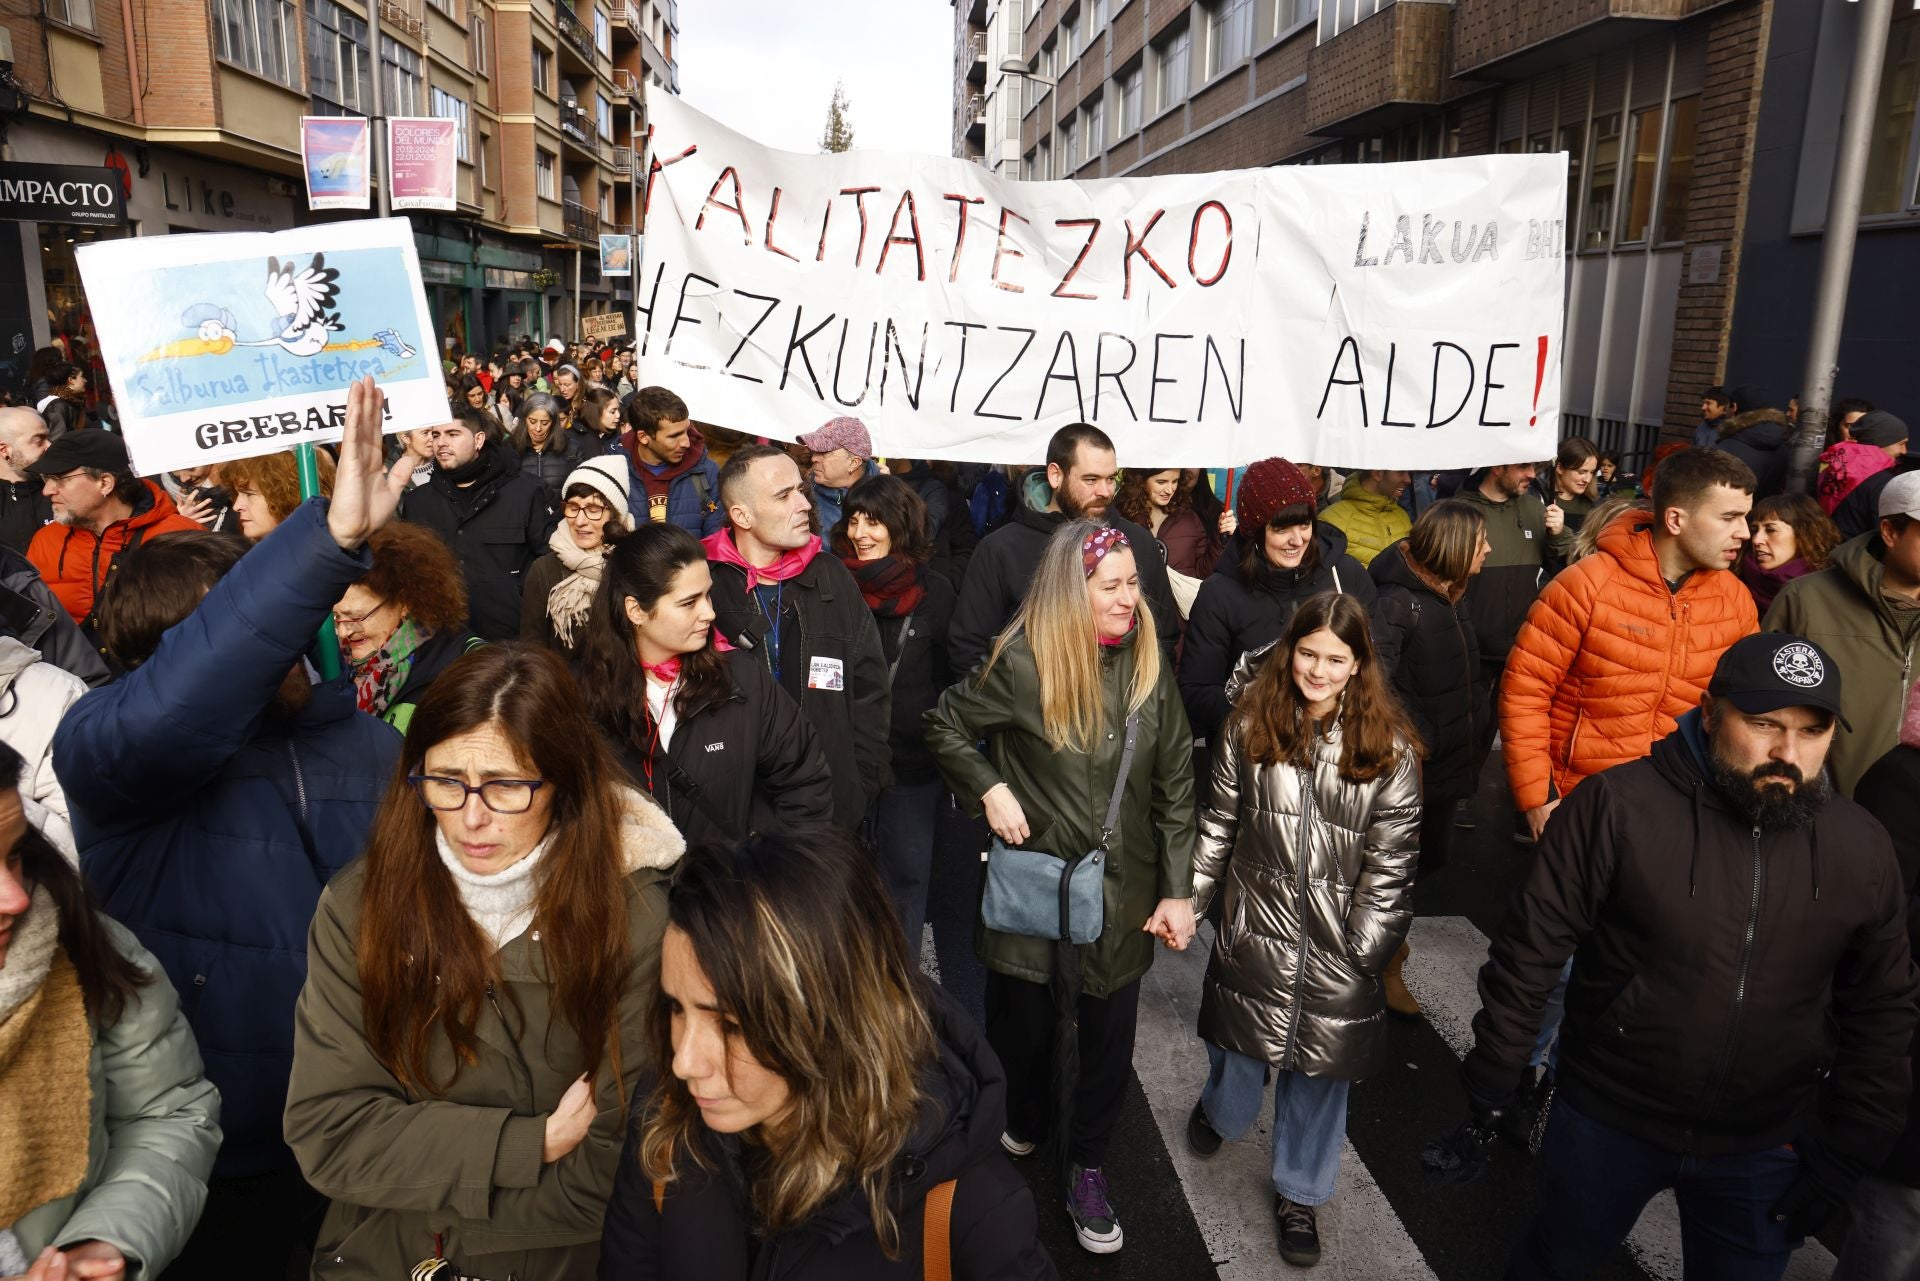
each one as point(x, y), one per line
point(1317, 880)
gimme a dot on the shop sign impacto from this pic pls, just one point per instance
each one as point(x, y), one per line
point(90, 195)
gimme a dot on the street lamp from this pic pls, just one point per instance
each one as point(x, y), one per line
point(1015, 67)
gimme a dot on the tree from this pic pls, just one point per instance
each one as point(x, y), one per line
point(838, 135)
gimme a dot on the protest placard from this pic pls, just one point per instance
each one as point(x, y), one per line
point(616, 255)
point(333, 151)
point(224, 346)
point(421, 155)
point(1355, 315)
point(600, 328)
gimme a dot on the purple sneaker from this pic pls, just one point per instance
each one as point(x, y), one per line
point(1094, 1221)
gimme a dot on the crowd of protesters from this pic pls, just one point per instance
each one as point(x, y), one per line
point(574, 927)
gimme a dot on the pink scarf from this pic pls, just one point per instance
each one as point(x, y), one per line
point(789, 564)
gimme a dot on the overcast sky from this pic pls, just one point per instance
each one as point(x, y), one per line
point(766, 68)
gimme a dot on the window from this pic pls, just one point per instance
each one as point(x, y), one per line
point(1890, 180)
point(444, 6)
point(399, 78)
point(75, 13)
point(1337, 15)
point(1130, 87)
point(258, 35)
point(1027, 173)
point(1601, 184)
point(1070, 38)
point(1044, 168)
point(1288, 14)
point(1573, 141)
point(603, 115)
point(1643, 166)
point(1069, 147)
point(606, 203)
point(339, 61)
point(1680, 145)
point(543, 69)
point(448, 107)
point(1097, 125)
point(1229, 34)
point(602, 32)
point(482, 48)
point(1098, 19)
point(1170, 61)
point(543, 174)
point(486, 170)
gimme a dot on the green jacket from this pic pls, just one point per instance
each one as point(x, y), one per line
point(402, 1169)
point(1065, 797)
point(154, 1131)
point(1870, 638)
point(1372, 522)
point(1499, 596)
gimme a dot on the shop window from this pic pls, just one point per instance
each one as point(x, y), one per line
point(1643, 167)
point(1891, 180)
point(67, 310)
point(75, 13)
point(1603, 182)
point(1680, 147)
point(258, 35)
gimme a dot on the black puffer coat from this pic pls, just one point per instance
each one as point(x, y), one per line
point(920, 675)
point(1759, 438)
point(497, 526)
point(551, 466)
point(703, 1228)
point(1439, 677)
point(1231, 616)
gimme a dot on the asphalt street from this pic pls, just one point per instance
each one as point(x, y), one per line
point(1188, 1219)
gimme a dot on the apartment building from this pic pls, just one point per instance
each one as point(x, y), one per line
point(1654, 103)
point(195, 108)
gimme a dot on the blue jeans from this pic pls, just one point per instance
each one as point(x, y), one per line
point(903, 829)
point(1309, 1120)
point(1883, 1240)
point(1598, 1180)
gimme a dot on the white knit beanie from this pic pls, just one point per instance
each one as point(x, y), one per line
point(609, 474)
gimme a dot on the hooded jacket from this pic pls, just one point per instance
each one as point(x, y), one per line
point(1733, 990)
point(497, 526)
point(686, 493)
point(1372, 522)
point(1439, 676)
point(34, 696)
point(75, 562)
point(1875, 642)
point(209, 823)
point(705, 1229)
point(1065, 796)
point(153, 1127)
point(1232, 615)
point(1315, 874)
point(1610, 659)
point(1759, 438)
point(460, 1171)
point(1002, 568)
point(31, 613)
point(1499, 596)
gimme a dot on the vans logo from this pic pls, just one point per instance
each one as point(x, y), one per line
point(717, 747)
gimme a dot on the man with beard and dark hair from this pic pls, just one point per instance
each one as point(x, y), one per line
point(1742, 999)
point(215, 788)
point(1081, 477)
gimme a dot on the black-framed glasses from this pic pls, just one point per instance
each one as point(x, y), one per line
point(343, 623)
point(501, 795)
point(592, 511)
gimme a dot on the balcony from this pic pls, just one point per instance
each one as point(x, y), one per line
point(1380, 71)
point(626, 84)
point(977, 58)
point(1514, 39)
point(582, 223)
point(575, 36)
point(623, 161)
point(626, 23)
point(578, 129)
point(977, 119)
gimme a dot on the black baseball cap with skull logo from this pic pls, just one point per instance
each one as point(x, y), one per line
point(1771, 670)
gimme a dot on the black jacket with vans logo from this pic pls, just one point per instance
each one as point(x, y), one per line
point(739, 764)
point(1733, 990)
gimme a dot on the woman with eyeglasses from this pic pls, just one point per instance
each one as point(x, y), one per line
point(404, 622)
point(478, 988)
point(561, 585)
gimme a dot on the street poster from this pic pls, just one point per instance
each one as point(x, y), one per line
point(333, 151)
point(421, 155)
point(224, 346)
point(1396, 315)
point(603, 327)
point(616, 255)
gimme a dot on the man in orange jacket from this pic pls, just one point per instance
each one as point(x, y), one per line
point(100, 509)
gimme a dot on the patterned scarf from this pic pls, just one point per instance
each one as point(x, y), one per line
point(377, 678)
point(571, 599)
point(46, 1095)
point(892, 588)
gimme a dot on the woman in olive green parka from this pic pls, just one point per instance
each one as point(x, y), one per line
point(1051, 702)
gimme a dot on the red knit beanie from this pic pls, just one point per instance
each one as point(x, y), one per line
point(1268, 486)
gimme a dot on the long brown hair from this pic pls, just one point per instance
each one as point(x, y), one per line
point(1271, 716)
point(424, 967)
point(1132, 500)
point(801, 945)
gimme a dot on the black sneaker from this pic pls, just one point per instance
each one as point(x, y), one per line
point(1299, 1232)
point(1463, 819)
point(1095, 1224)
point(1201, 1136)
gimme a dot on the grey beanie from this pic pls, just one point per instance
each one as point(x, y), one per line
point(1879, 428)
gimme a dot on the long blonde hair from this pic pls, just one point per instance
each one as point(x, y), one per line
point(1057, 619)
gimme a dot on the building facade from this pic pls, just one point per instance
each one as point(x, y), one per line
point(198, 108)
point(1654, 103)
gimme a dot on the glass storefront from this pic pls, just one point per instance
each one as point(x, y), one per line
point(69, 320)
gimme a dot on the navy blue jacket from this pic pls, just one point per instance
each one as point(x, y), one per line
point(693, 495)
point(209, 825)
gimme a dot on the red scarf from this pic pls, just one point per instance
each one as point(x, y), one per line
point(892, 588)
point(789, 564)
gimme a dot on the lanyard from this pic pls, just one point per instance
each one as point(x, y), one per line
point(773, 626)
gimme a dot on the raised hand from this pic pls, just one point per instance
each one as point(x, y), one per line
point(364, 498)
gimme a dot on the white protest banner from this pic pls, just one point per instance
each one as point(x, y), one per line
point(224, 346)
point(1401, 316)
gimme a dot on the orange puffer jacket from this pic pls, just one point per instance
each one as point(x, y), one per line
point(1609, 659)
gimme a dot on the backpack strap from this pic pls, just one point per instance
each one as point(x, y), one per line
point(936, 1249)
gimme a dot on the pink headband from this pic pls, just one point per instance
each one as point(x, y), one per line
point(1098, 544)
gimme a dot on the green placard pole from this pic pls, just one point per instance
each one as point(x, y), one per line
point(328, 647)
